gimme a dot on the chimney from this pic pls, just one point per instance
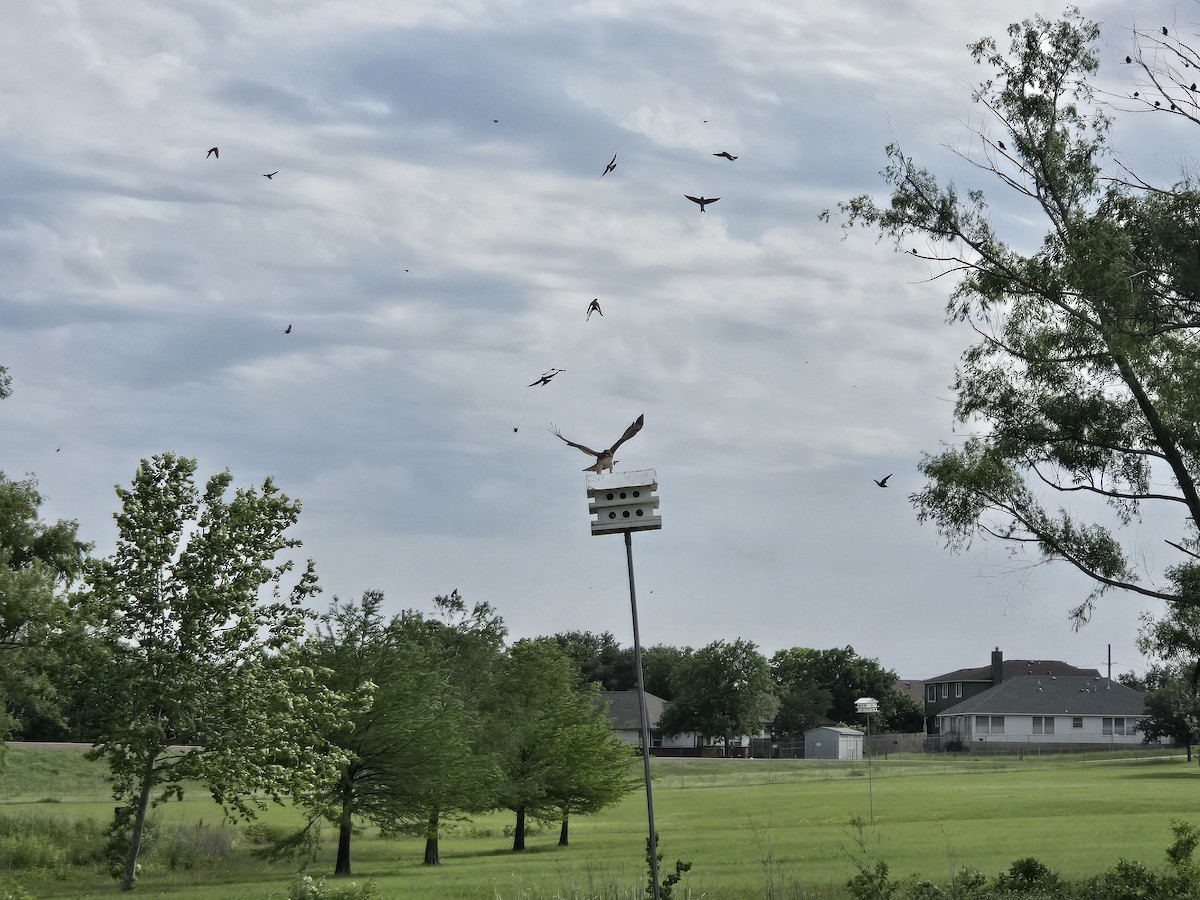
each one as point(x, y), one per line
point(997, 666)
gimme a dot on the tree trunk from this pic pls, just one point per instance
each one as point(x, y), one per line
point(562, 833)
point(345, 831)
point(519, 831)
point(129, 876)
point(432, 858)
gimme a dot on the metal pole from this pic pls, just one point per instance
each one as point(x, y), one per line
point(870, 779)
point(637, 658)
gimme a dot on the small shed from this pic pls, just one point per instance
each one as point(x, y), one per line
point(832, 742)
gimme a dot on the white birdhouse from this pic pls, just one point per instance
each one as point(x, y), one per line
point(623, 501)
point(866, 705)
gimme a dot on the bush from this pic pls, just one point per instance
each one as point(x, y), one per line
point(305, 887)
point(1026, 875)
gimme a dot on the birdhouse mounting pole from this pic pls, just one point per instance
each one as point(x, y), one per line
point(645, 718)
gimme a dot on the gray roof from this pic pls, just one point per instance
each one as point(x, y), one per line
point(837, 729)
point(624, 713)
point(1040, 695)
point(1015, 668)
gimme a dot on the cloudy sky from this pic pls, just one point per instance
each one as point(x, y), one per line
point(434, 235)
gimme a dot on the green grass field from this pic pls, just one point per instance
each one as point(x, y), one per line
point(752, 828)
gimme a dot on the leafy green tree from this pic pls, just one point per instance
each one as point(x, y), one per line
point(658, 668)
point(1172, 707)
point(601, 659)
point(5, 383)
point(548, 730)
point(407, 737)
point(720, 691)
point(200, 678)
point(467, 644)
point(594, 767)
point(38, 562)
point(1082, 390)
point(844, 677)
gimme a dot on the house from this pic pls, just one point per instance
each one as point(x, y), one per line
point(1076, 710)
point(624, 713)
point(943, 692)
point(833, 742)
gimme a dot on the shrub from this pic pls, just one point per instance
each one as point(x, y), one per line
point(1026, 875)
point(305, 887)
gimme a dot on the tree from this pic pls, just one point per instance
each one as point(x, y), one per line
point(1172, 707)
point(38, 562)
point(1083, 384)
point(844, 677)
point(467, 644)
point(595, 768)
point(600, 659)
point(720, 691)
point(549, 731)
point(407, 736)
point(200, 678)
point(658, 668)
point(5, 383)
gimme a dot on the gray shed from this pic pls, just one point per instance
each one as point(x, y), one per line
point(831, 742)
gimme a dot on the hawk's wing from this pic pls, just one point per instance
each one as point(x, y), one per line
point(629, 432)
point(693, 199)
point(558, 434)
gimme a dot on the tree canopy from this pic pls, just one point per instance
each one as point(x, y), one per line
point(722, 690)
point(193, 675)
point(1081, 393)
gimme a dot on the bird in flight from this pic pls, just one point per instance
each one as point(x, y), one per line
point(287, 330)
point(594, 306)
point(702, 200)
point(269, 174)
point(516, 426)
point(604, 458)
point(612, 164)
point(726, 154)
point(882, 482)
point(213, 151)
point(545, 377)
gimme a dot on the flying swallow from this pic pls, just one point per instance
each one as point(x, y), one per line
point(604, 458)
point(269, 174)
point(702, 200)
point(726, 154)
point(612, 164)
point(594, 306)
point(287, 330)
point(545, 377)
point(516, 426)
point(882, 482)
point(213, 151)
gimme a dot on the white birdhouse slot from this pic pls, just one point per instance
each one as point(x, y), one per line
point(623, 501)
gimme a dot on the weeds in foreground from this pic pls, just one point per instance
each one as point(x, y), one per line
point(1029, 878)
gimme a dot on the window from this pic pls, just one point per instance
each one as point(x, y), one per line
point(945, 690)
point(958, 689)
point(989, 724)
point(1077, 721)
point(1043, 724)
point(931, 693)
point(1119, 725)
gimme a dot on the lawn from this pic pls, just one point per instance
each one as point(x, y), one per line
point(746, 825)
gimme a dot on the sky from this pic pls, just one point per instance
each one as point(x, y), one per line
point(436, 229)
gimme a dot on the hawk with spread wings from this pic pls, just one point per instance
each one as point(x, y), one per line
point(604, 458)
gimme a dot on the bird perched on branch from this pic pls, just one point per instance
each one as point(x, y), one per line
point(702, 200)
point(604, 458)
